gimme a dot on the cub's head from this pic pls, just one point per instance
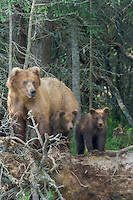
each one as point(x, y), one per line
point(24, 82)
point(67, 120)
point(99, 117)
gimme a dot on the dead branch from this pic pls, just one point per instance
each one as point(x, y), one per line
point(119, 100)
point(121, 48)
point(35, 127)
point(124, 150)
point(34, 168)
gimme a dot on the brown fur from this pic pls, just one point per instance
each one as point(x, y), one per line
point(27, 91)
point(91, 130)
point(63, 122)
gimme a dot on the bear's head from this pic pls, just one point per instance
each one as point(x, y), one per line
point(99, 117)
point(24, 82)
point(67, 119)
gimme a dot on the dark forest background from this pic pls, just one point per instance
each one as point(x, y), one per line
point(86, 44)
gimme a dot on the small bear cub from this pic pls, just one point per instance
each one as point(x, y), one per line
point(91, 130)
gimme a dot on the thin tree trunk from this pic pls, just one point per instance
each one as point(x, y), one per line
point(91, 65)
point(29, 36)
point(75, 62)
point(10, 38)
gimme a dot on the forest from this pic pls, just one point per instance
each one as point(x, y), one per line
point(88, 45)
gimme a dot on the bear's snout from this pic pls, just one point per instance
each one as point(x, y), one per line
point(70, 127)
point(100, 125)
point(33, 92)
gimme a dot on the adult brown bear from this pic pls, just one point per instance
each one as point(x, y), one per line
point(27, 91)
point(91, 130)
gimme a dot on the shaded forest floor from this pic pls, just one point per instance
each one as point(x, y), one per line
point(94, 176)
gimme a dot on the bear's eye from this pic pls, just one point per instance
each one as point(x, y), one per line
point(33, 83)
point(67, 121)
point(25, 83)
point(102, 118)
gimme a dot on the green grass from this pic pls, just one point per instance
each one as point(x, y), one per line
point(119, 142)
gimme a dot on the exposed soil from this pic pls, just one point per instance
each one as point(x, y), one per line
point(95, 176)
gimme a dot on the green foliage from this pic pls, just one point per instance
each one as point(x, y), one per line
point(26, 198)
point(73, 146)
point(50, 195)
point(119, 142)
point(111, 125)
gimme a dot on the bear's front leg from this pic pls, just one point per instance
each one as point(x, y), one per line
point(19, 128)
point(101, 140)
point(80, 143)
point(88, 141)
point(44, 127)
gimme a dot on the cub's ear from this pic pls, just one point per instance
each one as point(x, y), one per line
point(61, 112)
point(35, 70)
point(92, 111)
point(106, 110)
point(75, 112)
point(14, 72)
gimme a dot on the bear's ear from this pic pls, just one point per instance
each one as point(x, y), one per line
point(14, 72)
point(61, 113)
point(75, 112)
point(35, 70)
point(106, 110)
point(92, 111)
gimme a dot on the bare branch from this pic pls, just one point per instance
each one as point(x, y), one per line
point(121, 48)
point(120, 102)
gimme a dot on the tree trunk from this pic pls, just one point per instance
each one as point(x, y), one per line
point(29, 36)
point(42, 43)
point(75, 61)
point(91, 65)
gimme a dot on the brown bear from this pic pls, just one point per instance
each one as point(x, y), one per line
point(44, 96)
point(63, 122)
point(91, 130)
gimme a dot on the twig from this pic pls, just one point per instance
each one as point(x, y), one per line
point(9, 192)
point(79, 180)
point(35, 127)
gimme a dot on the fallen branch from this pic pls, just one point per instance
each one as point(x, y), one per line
point(124, 150)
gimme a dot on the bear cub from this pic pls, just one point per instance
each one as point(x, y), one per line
point(63, 122)
point(91, 130)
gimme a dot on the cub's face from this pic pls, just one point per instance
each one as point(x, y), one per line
point(67, 120)
point(99, 117)
point(25, 82)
